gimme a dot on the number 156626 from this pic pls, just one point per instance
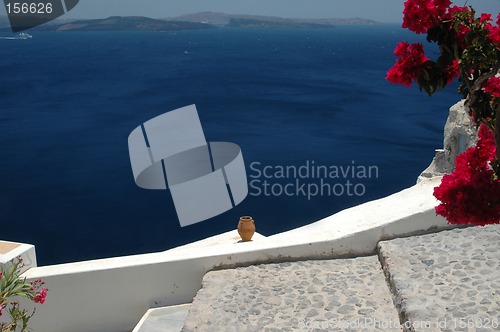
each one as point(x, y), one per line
point(28, 8)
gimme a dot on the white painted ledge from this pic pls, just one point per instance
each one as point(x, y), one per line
point(12, 250)
point(113, 294)
point(231, 237)
point(387, 214)
point(166, 319)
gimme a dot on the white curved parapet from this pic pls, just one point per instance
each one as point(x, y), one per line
point(113, 294)
point(170, 150)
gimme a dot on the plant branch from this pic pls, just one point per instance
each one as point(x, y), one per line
point(478, 84)
point(497, 135)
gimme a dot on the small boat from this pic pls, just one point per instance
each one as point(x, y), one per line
point(21, 35)
point(24, 35)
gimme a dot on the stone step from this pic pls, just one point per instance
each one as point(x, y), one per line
point(329, 295)
point(447, 281)
point(165, 319)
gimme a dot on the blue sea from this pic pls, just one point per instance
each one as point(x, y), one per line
point(289, 98)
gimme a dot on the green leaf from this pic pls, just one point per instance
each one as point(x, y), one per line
point(18, 288)
point(427, 90)
point(456, 51)
point(426, 74)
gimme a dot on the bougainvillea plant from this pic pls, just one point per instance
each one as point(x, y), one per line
point(470, 195)
point(13, 287)
point(469, 49)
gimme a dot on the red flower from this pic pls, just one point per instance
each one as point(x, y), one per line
point(409, 65)
point(470, 195)
point(40, 296)
point(419, 15)
point(492, 86)
point(462, 29)
point(401, 49)
point(494, 31)
point(485, 17)
point(453, 71)
point(457, 9)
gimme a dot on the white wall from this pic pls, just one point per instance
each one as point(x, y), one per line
point(25, 251)
point(113, 294)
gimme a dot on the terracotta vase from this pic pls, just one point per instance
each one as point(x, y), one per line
point(246, 228)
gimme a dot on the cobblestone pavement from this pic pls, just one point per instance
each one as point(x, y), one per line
point(312, 295)
point(447, 281)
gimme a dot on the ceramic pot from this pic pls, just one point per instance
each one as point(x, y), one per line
point(246, 228)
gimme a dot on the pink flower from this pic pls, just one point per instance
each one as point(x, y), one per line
point(40, 296)
point(492, 86)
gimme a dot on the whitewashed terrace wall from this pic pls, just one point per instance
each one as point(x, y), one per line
point(112, 294)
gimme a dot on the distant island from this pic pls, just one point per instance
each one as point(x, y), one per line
point(249, 23)
point(222, 20)
point(197, 21)
point(126, 23)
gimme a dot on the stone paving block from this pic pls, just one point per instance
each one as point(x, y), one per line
point(447, 281)
point(329, 295)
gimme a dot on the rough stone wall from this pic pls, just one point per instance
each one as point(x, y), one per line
point(459, 134)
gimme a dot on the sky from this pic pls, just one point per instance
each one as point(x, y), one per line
point(386, 11)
